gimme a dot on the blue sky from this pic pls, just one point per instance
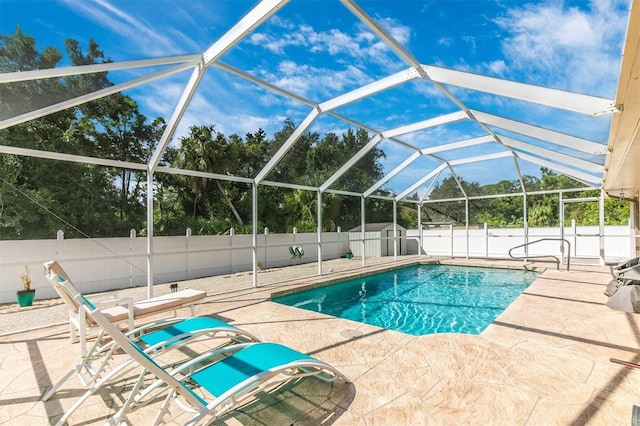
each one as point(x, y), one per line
point(319, 50)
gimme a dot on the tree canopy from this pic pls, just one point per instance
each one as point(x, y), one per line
point(40, 196)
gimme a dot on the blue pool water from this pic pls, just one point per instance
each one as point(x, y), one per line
point(420, 300)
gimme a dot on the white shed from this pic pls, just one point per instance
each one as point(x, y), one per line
point(378, 240)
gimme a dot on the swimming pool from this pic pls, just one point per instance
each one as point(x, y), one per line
point(419, 300)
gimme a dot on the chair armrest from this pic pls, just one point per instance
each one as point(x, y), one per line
point(122, 301)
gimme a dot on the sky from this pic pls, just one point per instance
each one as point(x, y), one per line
point(317, 50)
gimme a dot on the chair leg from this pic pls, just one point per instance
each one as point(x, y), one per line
point(83, 334)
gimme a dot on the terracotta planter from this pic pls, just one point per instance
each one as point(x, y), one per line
point(25, 297)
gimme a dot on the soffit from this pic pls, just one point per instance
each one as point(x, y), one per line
point(622, 163)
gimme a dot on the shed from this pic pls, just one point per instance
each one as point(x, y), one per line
point(378, 240)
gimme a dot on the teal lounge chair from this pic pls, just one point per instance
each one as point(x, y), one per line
point(154, 339)
point(215, 382)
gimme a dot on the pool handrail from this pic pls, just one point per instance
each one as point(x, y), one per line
point(539, 256)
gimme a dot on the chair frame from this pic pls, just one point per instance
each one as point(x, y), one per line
point(79, 326)
point(150, 338)
point(177, 380)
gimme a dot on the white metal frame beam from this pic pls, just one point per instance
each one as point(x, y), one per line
point(585, 178)
point(551, 136)
point(12, 77)
point(32, 115)
point(256, 16)
point(576, 102)
point(553, 155)
point(369, 89)
point(420, 182)
point(392, 173)
point(313, 114)
point(425, 124)
point(353, 160)
point(457, 145)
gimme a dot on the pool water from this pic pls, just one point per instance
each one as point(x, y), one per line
point(419, 300)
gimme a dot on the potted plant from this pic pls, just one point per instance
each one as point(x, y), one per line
point(25, 297)
point(349, 255)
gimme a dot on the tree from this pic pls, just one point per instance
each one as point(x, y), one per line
point(40, 196)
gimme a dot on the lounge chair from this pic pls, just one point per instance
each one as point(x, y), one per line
point(230, 376)
point(124, 311)
point(152, 339)
point(629, 270)
point(296, 252)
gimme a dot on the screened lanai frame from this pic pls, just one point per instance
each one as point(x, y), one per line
point(584, 171)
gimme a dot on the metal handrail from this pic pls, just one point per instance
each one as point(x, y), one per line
point(544, 255)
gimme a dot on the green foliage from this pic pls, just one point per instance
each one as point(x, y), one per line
point(40, 196)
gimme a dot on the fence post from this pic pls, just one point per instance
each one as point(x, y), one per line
point(574, 229)
point(231, 234)
point(132, 237)
point(486, 240)
point(266, 232)
point(188, 235)
point(451, 237)
point(59, 238)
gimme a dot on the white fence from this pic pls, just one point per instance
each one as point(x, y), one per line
point(110, 263)
point(618, 242)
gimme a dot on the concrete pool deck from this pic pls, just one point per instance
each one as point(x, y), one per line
point(545, 360)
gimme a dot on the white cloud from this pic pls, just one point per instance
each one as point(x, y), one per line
point(317, 84)
point(358, 42)
point(574, 48)
point(141, 35)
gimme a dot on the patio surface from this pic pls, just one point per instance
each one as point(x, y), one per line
point(544, 361)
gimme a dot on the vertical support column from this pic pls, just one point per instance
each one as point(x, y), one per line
point(363, 225)
point(451, 238)
point(466, 224)
point(132, 237)
point(395, 230)
point(574, 231)
point(601, 227)
point(266, 245)
point(232, 232)
point(525, 223)
point(319, 202)
point(561, 214)
point(149, 234)
point(420, 230)
point(254, 223)
point(187, 237)
point(486, 240)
